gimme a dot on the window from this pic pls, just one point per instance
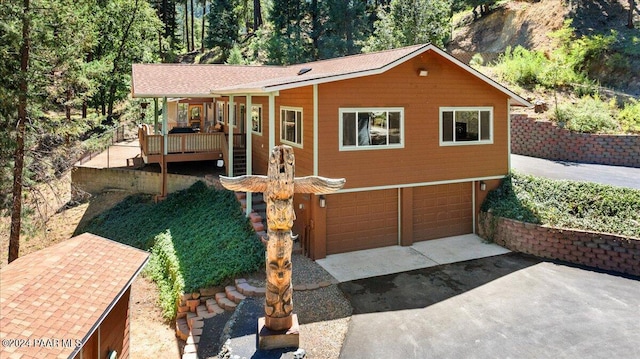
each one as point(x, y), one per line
point(291, 126)
point(371, 128)
point(466, 125)
point(220, 112)
point(256, 119)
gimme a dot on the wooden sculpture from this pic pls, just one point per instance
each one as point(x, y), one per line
point(278, 188)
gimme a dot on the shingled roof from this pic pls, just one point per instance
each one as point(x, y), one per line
point(63, 292)
point(191, 80)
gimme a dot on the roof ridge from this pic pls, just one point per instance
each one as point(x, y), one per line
point(362, 54)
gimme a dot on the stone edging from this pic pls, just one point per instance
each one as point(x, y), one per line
point(599, 250)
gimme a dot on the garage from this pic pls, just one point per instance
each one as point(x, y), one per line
point(362, 220)
point(442, 211)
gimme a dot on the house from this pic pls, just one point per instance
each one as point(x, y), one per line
point(419, 136)
point(70, 300)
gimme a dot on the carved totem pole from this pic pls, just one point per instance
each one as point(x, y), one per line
point(278, 188)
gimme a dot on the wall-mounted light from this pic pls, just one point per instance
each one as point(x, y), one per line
point(423, 73)
point(483, 186)
point(323, 201)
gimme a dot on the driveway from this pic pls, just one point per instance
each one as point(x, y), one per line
point(612, 175)
point(506, 306)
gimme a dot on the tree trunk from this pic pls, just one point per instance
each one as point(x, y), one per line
point(16, 208)
point(257, 15)
point(193, 44)
point(204, 13)
point(315, 32)
point(632, 6)
point(186, 24)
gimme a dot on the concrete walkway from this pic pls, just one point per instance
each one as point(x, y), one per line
point(380, 261)
point(115, 156)
point(612, 175)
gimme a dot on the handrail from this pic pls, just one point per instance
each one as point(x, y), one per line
point(182, 143)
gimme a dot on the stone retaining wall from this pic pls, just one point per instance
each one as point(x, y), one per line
point(544, 139)
point(97, 180)
point(599, 250)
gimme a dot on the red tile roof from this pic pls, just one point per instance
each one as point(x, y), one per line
point(184, 80)
point(62, 293)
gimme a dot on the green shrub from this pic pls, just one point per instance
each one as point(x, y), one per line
point(164, 268)
point(521, 66)
point(567, 204)
point(588, 115)
point(629, 117)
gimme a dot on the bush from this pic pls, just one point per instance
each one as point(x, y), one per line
point(521, 66)
point(588, 115)
point(567, 204)
point(629, 117)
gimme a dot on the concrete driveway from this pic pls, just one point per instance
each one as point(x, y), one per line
point(507, 306)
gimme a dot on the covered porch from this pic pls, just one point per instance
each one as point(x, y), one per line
point(202, 114)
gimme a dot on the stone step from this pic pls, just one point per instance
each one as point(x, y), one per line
point(182, 328)
point(246, 289)
point(202, 309)
point(190, 318)
point(213, 307)
point(227, 304)
point(235, 296)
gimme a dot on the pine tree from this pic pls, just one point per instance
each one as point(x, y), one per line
point(223, 26)
point(410, 22)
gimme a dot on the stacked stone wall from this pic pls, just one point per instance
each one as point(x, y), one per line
point(593, 249)
point(544, 139)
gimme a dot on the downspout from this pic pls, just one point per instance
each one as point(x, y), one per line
point(248, 149)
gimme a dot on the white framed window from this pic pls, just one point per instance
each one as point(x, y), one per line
point(371, 128)
point(256, 119)
point(466, 126)
point(291, 126)
point(220, 112)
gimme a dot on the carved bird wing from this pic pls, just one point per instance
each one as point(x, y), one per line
point(317, 185)
point(251, 183)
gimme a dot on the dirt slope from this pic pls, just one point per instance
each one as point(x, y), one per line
point(528, 23)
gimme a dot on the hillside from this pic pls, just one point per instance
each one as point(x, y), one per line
point(528, 23)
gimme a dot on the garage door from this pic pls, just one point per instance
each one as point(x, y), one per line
point(442, 211)
point(362, 220)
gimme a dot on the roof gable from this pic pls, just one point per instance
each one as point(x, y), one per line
point(170, 80)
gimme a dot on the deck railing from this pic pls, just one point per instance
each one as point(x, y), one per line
point(182, 143)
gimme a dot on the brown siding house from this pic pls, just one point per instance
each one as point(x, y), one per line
point(419, 136)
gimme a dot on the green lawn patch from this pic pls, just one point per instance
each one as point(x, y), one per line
point(198, 237)
point(567, 204)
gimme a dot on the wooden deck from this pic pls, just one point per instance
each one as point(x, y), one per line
point(183, 147)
